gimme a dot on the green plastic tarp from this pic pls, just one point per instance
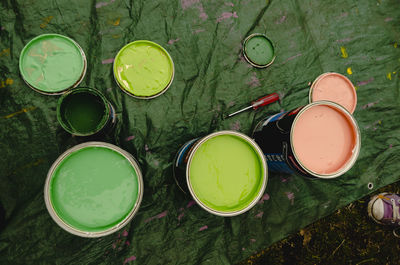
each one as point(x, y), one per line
point(360, 39)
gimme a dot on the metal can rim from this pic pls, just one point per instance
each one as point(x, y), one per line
point(248, 59)
point(152, 96)
point(314, 83)
point(96, 92)
point(113, 229)
point(349, 164)
point(264, 173)
point(82, 76)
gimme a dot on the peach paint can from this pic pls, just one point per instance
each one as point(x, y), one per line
point(319, 140)
point(334, 87)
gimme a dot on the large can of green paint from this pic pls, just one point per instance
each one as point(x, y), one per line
point(93, 189)
point(258, 50)
point(52, 63)
point(225, 172)
point(85, 111)
point(143, 69)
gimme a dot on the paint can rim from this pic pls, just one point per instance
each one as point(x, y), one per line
point(321, 76)
point(264, 176)
point(249, 60)
point(356, 151)
point(88, 90)
point(151, 96)
point(108, 231)
point(78, 81)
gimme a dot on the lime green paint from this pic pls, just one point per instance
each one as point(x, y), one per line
point(51, 63)
point(259, 50)
point(143, 68)
point(82, 112)
point(226, 173)
point(93, 189)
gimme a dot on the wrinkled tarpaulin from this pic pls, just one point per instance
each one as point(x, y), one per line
point(356, 38)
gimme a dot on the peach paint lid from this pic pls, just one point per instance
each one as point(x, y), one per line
point(334, 87)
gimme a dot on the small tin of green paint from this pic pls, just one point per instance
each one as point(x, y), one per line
point(51, 64)
point(225, 172)
point(143, 69)
point(93, 189)
point(85, 112)
point(259, 50)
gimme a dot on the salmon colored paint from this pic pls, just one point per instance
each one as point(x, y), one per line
point(324, 139)
point(337, 88)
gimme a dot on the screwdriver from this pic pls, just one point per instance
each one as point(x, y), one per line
point(268, 99)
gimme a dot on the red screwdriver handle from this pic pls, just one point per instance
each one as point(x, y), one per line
point(271, 98)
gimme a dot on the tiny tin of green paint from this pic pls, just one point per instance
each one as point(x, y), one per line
point(52, 64)
point(225, 172)
point(85, 111)
point(259, 50)
point(93, 189)
point(143, 69)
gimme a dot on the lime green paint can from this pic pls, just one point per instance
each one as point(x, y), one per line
point(226, 172)
point(259, 50)
point(52, 63)
point(84, 112)
point(143, 69)
point(93, 189)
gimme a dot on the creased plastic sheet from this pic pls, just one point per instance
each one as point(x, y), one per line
point(360, 39)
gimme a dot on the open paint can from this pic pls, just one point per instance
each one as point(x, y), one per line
point(143, 69)
point(336, 88)
point(319, 140)
point(93, 189)
point(225, 172)
point(51, 64)
point(258, 50)
point(84, 112)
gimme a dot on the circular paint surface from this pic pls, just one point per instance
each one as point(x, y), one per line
point(324, 139)
point(82, 112)
point(51, 63)
point(259, 50)
point(93, 189)
point(336, 88)
point(143, 68)
point(226, 173)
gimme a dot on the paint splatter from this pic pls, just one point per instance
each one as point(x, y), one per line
point(202, 14)
point(24, 110)
point(128, 243)
point(373, 124)
point(226, 15)
point(344, 40)
point(370, 104)
point(156, 163)
point(345, 14)
point(181, 216)
point(344, 52)
point(116, 22)
point(197, 31)
point(254, 81)
point(229, 4)
point(395, 45)
point(390, 146)
point(114, 245)
point(131, 258)
point(125, 233)
point(173, 41)
point(259, 215)
point(363, 83)
point(203, 228)
point(129, 138)
point(46, 21)
point(235, 126)
point(252, 240)
point(243, 249)
point(108, 61)
point(5, 52)
point(388, 19)
point(291, 58)
point(230, 104)
point(290, 196)
point(389, 76)
point(281, 20)
point(188, 3)
point(190, 204)
point(146, 147)
point(264, 198)
point(349, 71)
point(109, 89)
point(158, 216)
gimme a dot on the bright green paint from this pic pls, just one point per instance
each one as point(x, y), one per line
point(226, 173)
point(83, 113)
point(51, 63)
point(143, 68)
point(93, 189)
point(259, 50)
